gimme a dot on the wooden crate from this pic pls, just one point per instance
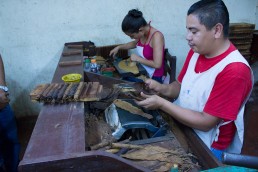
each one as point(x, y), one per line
point(241, 34)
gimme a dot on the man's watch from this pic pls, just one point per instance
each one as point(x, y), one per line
point(3, 88)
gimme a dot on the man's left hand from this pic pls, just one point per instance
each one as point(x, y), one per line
point(151, 102)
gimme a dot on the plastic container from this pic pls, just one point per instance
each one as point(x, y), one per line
point(107, 71)
point(93, 66)
point(174, 168)
point(87, 65)
point(72, 77)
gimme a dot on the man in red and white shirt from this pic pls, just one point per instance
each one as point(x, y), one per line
point(214, 83)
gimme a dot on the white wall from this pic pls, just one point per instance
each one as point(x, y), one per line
point(256, 18)
point(33, 32)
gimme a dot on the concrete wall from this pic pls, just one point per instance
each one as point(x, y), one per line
point(256, 18)
point(33, 32)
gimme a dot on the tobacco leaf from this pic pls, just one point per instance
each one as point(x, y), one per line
point(130, 108)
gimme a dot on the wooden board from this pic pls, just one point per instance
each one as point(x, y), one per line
point(241, 26)
point(241, 34)
point(71, 53)
point(70, 63)
point(75, 46)
point(66, 92)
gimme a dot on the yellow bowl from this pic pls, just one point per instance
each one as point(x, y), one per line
point(72, 77)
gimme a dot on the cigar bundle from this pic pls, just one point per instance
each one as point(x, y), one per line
point(66, 92)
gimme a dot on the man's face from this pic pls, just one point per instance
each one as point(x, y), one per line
point(199, 38)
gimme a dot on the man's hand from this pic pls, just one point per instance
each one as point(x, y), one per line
point(152, 84)
point(151, 102)
point(4, 99)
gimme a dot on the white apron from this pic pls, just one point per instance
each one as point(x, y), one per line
point(195, 91)
point(149, 70)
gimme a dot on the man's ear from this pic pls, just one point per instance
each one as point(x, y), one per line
point(218, 30)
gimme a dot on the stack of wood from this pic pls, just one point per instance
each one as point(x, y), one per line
point(241, 35)
point(89, 48)
point(67, 92)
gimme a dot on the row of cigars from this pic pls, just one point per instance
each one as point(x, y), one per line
point(66, 92)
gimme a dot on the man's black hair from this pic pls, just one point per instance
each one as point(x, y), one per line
point(210, 13)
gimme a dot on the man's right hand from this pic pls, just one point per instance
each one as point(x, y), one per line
point(4, 99)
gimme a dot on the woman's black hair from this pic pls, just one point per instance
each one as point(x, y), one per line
point(210, 13)
point(133, 21)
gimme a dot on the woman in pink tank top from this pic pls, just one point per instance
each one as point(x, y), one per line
point(148, 41)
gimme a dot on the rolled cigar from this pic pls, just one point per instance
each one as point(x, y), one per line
point(49, 95)
point(71, 92)
point(66, 92)
point(78, 91)
point(57, 90)
point(61, 93)
point(44, 94)
point(38, 91)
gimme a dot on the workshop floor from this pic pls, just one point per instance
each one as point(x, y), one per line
point(25, 127)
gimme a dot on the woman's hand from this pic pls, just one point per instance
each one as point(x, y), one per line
point(114, 51)
point(151, 102)
point(134, 58)
point(4, 99)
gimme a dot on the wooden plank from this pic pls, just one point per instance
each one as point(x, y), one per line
point(59, 130)
point(70, 63)
point(85, 90)
point(71, 53)
point(100, 89)
point(91, 94)
point(97, 161)
point(56, 131)
point(75, 46)
point(94, 89)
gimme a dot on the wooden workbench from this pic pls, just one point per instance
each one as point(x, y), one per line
point(59, 134)
point(59, 126)
point(58, 139)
